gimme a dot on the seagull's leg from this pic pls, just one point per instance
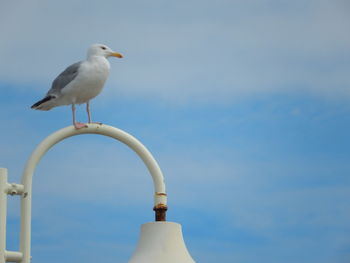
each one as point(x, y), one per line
point(89, 114)
point(77, 125)
point(88, 110)
point(73, 112)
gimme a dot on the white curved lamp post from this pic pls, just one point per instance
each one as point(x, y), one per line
point(159, 241)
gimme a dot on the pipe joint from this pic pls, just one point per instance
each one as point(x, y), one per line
point(15, 189)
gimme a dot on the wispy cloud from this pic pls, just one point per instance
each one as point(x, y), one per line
point(216, 50)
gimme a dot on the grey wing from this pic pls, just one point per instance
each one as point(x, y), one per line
point(64, 78)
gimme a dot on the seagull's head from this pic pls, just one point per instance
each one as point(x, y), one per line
point(102, 50)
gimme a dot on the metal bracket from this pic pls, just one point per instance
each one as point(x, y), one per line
point(15, 189)
point(13, 256)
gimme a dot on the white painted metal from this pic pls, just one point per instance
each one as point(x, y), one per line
point(161, 242)
point(3, 213)
point(13, 256)
point(15, 189)
point(45, 145)
point(6, 189)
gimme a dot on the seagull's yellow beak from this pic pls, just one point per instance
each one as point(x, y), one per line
point(115, 54)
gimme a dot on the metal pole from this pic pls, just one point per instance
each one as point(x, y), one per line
point(160, 198)
point(3, 213)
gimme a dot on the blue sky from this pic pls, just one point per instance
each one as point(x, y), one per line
point(244, 104)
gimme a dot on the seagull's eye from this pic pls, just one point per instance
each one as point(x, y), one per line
point(104, 48)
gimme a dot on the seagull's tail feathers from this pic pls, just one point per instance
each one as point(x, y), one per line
point(45, 104)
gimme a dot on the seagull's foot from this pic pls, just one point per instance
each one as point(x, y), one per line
point(79, 125)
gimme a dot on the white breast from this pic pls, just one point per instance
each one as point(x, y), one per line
point(89, 82)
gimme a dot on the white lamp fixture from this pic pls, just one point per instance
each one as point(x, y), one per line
point(160, 241)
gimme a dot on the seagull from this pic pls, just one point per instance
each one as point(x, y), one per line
point(80, 82)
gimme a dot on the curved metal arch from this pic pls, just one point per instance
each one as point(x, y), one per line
point(160, 198)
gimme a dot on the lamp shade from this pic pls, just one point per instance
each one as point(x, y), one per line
point(161, 242)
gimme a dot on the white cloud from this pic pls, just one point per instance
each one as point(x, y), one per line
point(215, 51)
